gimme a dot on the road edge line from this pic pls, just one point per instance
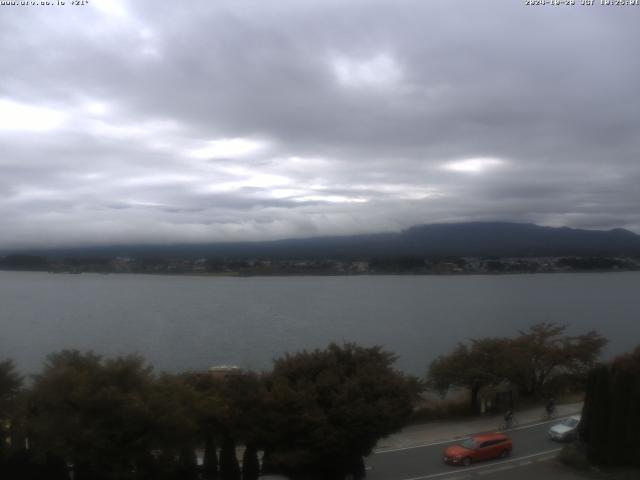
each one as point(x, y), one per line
point(464, 437)
point(480, 467)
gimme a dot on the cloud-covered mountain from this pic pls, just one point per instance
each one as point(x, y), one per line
point(500, 239)
point(138, 121)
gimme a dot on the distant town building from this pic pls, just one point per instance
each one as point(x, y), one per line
point(224, 371)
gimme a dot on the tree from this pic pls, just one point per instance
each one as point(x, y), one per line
point(103, 415)
point(481, 363)
point(229, 468)
point(10, 381)
point(611, 412)
point(328, 408)
point(232, 411)
point(10, 384)
point(244, 399)
point(209, 412)
point(533, 361)
point(210, 460)
point(24, 262)
point(175, 406)
point(543, 353)
point(250, 463)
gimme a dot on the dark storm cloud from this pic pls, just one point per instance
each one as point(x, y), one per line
point(139, 121)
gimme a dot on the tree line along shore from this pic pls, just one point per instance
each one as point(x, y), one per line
point(229, 266)
point(313, 416)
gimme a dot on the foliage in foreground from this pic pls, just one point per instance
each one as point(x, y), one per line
point(330, 407)
point(611, 417)
point(574, 456)
point(114, 419)
point(541, 360)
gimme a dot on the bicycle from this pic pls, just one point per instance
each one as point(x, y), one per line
point(550, 414)
point(509, 424)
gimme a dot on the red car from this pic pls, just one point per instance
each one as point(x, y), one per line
point(480, 447)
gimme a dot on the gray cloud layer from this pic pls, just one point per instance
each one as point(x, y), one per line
point(203, 121)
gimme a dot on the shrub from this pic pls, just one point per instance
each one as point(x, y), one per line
point(573, 455)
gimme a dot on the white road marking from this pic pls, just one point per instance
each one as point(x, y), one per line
point(421, 445)
point(555, 420)
point(456, 439)
point(545, 459)
point(481, 467)
point(497, 469)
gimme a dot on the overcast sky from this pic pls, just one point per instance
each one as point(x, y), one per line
point(166, 121)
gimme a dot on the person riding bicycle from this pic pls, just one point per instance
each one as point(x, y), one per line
point(508, 418)
point(551, 406)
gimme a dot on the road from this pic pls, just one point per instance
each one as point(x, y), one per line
point(530, 446)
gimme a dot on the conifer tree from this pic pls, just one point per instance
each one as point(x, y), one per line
point(229, 468)
point(250, 463)
point(210, 461)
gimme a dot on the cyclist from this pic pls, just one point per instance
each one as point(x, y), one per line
point(508, 418)
point(551, 407)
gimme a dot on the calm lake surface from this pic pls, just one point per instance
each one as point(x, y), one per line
point(180, 322)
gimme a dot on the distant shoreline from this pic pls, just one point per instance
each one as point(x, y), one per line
point(311, 274)
point(321, 266)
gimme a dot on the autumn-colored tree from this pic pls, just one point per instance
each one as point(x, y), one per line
point(484, 362)
point(545, 352)
point(533, 361)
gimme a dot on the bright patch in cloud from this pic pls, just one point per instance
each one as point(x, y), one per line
point(285, 192)
point(228, 148)
point(331, 199)
point(148, 129)
point(380, 71)
point(114, 8)
point(16, 116)
point(148, 43)
point(473, 165)
point(247, 178)
point(96, 108)
point(158, 180)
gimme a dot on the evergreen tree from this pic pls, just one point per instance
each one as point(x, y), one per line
point(267, 467)
point(188, 464)
point(250, 463)
point(229, 468)
point(10, 384)
point(596, 415)
point(611, 418)
point(210, 461)
point(358, 469)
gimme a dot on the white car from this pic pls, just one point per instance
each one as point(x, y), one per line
point(566, 429)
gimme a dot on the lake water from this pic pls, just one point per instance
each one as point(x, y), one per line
point(181, 322)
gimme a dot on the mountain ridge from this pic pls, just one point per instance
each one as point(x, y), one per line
point(469, 239)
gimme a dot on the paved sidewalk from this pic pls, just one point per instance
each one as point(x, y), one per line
point(443, 430)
